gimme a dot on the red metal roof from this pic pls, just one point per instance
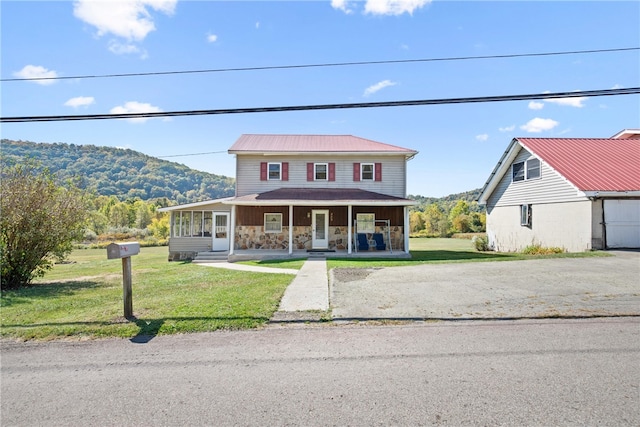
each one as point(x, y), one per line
point(591, 164)
point(313, 143)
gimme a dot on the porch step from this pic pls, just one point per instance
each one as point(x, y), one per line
point(204, 257)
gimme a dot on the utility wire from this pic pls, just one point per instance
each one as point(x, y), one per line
point(193, 154)
point(501, 98)
point(335, 64)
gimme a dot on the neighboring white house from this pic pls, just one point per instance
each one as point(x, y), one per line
point(575, 193)
point(302, 192)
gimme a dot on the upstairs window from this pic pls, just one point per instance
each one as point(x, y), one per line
point(321, 171)
point(274, 171)
point(526, 170)
point(367, 171)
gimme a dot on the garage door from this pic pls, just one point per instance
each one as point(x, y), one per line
point(622, 218)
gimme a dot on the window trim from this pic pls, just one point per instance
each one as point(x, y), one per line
point(373, 171)
point(373, 222)
point(525, 215)
point(326, 172)
point(525, 170)
point(269, 164)
point(270, 221)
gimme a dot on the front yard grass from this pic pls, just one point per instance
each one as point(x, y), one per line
point(83, 298)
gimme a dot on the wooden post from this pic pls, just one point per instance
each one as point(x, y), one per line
point(126, 287)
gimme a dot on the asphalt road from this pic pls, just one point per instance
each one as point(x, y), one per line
point(512, 373)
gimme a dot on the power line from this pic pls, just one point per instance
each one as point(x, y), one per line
point(192, 154)
point(500, 98)
point(334, 64)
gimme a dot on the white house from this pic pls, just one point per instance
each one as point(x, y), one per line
point(304, 193)
point(575, 193)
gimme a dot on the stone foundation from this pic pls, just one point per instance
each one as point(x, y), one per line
point(254, 237)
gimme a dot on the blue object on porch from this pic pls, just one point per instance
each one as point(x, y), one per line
point(380, 245)
point(363, 244)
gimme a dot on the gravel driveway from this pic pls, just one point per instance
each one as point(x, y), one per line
point(580, 287)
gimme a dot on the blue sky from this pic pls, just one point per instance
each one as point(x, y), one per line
point(458, 144)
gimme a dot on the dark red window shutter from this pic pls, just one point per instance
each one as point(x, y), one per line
point(356, 171)
point(285, 171)
point(378, 168)
point(309, 171)
point(332, 171)
point(263, 171)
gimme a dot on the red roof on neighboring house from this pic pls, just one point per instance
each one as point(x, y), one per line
point(313, 144)
point(591, 164)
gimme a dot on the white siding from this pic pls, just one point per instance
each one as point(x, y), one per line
point(393, 173)
point(565, 225)
point(190, 244)
point(549, 188)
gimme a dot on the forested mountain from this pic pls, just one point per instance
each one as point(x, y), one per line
point(124, 173)
point(450, 200)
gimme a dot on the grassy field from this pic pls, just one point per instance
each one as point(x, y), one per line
point(83, 298)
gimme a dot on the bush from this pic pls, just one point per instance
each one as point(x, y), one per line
point(537, 249)
point(481, 243)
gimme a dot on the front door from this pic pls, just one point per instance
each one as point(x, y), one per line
point(320, 229)
point(220, 231)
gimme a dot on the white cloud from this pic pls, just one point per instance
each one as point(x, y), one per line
point(80, 101)
point(122, 48)
point(577, 102)
point(35, 72)
point(393, 7)
point(135, 107)
point(617, 86)
point(507, 128)
point(212, 38)
point(533, 105)
point(538, 125)
point(404, 46)
point(258, 25)
point(482, 137)
point(129, 19)
point(342, 5)
point(378, 86)
point(381, 7)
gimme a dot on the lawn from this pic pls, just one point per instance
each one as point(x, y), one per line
point(83, 298)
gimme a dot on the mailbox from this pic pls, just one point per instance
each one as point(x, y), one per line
point(122, 250)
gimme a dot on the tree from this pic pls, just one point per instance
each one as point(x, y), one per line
point(40, 221)
point(416, 221)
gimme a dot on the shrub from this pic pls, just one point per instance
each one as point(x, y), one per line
point(537, 249)
point(481, 243)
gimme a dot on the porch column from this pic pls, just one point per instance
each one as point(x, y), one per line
point(349, 231)
point(290, 229)
point(232, 231)
point(406, 229)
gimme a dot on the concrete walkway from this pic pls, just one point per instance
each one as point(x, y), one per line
point(309, 290)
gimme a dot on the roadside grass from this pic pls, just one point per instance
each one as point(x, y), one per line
point(83, 299)
point(295, 264)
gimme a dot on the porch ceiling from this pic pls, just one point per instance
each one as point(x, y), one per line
point(320, 197)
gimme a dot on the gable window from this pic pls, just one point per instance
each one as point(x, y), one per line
point(273, 223)
point(533, 168)
point(525, 215)
point(274, 171)
point(366, 223)
point(367, 171)
point(321, 171)
point(529, 169)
